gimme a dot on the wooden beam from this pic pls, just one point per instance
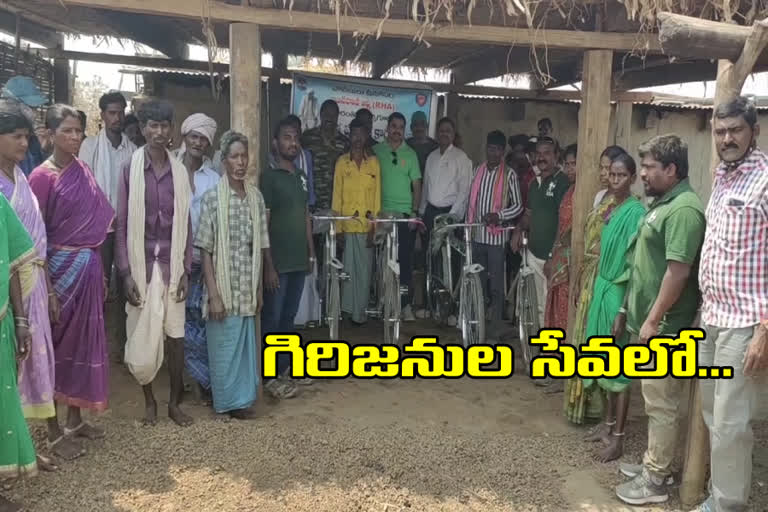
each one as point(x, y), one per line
point(671, 74)
point(594, 120)
point(130, 60)
point(40, 20)
point(696, 38)
point(491, 63)
point(622, 136)
point(147, 31)
point(399, 28)
point(61, 90)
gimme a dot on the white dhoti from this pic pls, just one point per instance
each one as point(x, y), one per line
point(148, 325)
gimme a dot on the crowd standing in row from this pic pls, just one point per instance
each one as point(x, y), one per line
point(199, 252)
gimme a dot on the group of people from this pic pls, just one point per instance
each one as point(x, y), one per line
point(653, 268)
point(197, 251)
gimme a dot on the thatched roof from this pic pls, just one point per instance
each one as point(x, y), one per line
point(468, 61)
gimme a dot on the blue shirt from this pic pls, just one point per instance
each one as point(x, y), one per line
point(34, 156)
point(205, 179)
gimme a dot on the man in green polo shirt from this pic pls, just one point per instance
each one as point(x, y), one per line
point(662, 298)
point(286, 263)
point(545, 194)
point(400, 194)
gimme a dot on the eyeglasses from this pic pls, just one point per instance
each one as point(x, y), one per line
point(394, 158)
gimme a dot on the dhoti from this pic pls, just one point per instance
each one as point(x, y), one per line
point(147, 326)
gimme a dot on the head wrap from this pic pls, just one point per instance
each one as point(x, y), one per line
point(496, 138)
point(200, 123)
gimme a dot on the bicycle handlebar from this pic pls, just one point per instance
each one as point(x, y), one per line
point(396, 221)
point(356, 217)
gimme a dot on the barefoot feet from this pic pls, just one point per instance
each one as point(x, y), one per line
point(85, 430)
point(599, 432)
point(150, 413)
point(613, 450)
point(46, 464)
point(66, 448)
point(181, 419)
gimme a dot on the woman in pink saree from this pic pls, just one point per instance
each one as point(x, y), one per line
point(77, 215)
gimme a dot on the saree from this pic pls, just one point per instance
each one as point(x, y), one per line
point(609, 288)
point(358, 263)
point(580, 403)
point(556, 311)
point(36, 372)
point(75, 234)
point(17, 452)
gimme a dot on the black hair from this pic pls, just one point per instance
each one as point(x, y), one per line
point(741, 106)
point(496, 138)
point(573, 149)
point(519, 140)
point(667, 149)
point(627, 161)
point(363, 112)
point(155, 110)
point(545, 121)
point(357, 123)
point(111, 98)
point(56, 114)
point(550, 141)
point(283, 123)
point(14, 115)
point(130, 119)
point(329, 104)
point(229, 138)
point(612, 152)
point(446, 120)
point(395, 115)
point(293, 118)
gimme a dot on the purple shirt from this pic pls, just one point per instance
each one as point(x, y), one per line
point(158, 226)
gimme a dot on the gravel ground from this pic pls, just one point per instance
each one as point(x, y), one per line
point(382, 446)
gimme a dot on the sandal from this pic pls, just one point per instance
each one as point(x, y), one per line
point(46, 463)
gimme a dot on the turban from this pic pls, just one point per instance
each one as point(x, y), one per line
point(200, 123)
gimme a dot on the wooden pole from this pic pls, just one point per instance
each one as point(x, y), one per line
point(245, 112)
point(275, 105)
point(593, 137)
point(62, 92)
point(623, 134)
point(245, 88)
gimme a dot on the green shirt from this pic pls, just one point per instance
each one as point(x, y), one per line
point(544, 201)
point(285, 196)
point(672, 230)
point(399, 168)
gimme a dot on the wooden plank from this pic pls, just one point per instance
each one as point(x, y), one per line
point(245, 88)
point(29, 30)
point(400, 28)
point(594, 122)
point(689, 37)
point(132, 60)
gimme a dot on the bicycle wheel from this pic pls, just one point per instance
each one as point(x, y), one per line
point(438, 296)
point(528, 317)
point(334, 304)
point(391, 307)
point(473, 314)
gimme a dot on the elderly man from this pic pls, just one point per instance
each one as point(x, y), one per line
point(661, 298)
point(732, 276)
point(198, 132)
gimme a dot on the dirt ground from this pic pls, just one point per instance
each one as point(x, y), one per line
point(353, 445)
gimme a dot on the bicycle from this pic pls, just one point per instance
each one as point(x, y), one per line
point(387, 278)
point(333, 273)
point(526, 306)
point(443, 295)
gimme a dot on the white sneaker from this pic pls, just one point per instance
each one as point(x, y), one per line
point(407, 314)
point(422, 314)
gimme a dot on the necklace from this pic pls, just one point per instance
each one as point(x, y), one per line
point(55, 163)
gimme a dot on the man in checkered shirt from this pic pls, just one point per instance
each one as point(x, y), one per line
point(734, 284)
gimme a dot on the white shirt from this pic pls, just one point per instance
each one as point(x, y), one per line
point(205, 179)
point(107, 170)
point(447, 178)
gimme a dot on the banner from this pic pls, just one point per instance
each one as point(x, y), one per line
point(382, 98)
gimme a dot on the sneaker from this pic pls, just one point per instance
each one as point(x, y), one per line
point(643, 489)
point(281, 389)
point(632, 470)
point(407, 314)
point(306, 381)
point(452, 321)
point(422, 314)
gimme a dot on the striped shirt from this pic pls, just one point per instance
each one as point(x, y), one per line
point(512, 209)
point(734, 261)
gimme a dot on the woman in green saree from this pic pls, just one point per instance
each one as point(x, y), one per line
point(607, 298)
point(582, 404)
point(17, 453)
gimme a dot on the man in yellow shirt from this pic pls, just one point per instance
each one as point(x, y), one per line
point(357, 188)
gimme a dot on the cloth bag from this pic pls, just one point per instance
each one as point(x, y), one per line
point(309, 307)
